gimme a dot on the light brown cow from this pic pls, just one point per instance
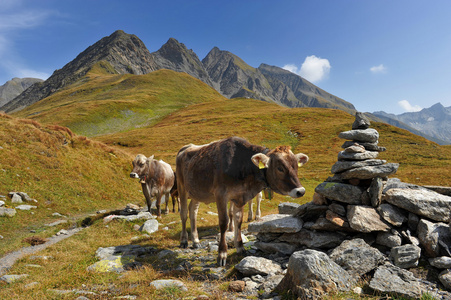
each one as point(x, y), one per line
point(232, 170)
point(156, 178)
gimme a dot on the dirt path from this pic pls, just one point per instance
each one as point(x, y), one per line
point(7, 261)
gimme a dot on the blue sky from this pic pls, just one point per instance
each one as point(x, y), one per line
point(390, 55)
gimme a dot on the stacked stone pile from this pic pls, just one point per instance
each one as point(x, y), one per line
point(366, 223)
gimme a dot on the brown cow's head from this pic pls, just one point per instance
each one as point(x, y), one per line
point(141, 166)
point(282, 170)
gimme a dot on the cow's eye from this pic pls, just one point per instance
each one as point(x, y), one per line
point(280, 169)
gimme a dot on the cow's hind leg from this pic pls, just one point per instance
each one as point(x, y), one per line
point(258, 212)
point(166, 199)
point(250, 214)
point(183, 217)
point(238, 220)
point(158, 204)
point(230, 217)
point(193, 208)
point(223, 223)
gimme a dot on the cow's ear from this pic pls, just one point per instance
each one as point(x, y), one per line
point(151, 157)
point(302, 159)
point(260, 160)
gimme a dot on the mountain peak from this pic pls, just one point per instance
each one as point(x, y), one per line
point(126, 54)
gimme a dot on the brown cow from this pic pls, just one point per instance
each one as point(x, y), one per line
point(156, 178)
point(232, 170)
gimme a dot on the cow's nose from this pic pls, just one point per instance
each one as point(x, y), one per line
point(296, 193)
point(134, 175)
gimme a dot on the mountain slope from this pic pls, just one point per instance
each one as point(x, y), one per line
point(125, 53)
point(104, 103)
point(14, 87)
point(433, 123)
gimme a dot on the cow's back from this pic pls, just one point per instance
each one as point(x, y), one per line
point(163, 176)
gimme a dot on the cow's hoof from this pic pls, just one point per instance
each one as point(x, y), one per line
point(196, 245)
point(184, 245)
point(166, 212)
point(222, 259)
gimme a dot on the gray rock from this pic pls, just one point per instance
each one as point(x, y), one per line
point(150, 226)
point(113, 263)
point(124, 250)
point(168, 283)
point(56, 223)
point(355, 148)
point(365, 219)
point(375, 191)
point(276, 223)
point(310, 211)
point(338, 209)
point(392, 214)
point(371, 171)
point(430, 234)
point(357, 257)
point(412, 221)
point(12, 278)
point(288, 208)
point(25, 207)
point(314, 239)
point(368, 146)
point(445, 279)
point(312, 274)
point(360, 135)
point(343, 155)
point(442, 262)
point(361, 121)
point(276, 247)
point(341, 192)
point(25, 197)
point(2, 203)
point(16, 198)
point(252, 265)
point(405, 256)
point(391, 279)
point(7, 212)
point(388, 239)
point(422, 202)
point(230, 238)
point(344, 165)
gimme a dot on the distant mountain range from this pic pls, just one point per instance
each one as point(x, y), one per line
point(14, 87)
point(227, 73)
point(122, 53)
point(433, 123)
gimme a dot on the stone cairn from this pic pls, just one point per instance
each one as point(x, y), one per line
point(360, 222)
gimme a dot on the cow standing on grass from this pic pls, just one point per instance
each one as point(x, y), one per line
point(156, 178)
point(232, 170)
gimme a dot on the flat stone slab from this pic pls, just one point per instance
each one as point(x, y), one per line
point(369, 172)
point(276, 223)
point(369, 135)
point(344, 165)
point(342, 192)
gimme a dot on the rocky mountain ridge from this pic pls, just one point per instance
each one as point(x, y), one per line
point(14, 87)
point(433, 123)
point(124, 53)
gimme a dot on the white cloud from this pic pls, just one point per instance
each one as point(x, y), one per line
point(409, 107)
point(380, 69)
point(313, 68)
point(291, 67)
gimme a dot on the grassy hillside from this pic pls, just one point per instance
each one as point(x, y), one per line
point(103, 103)
point(65, 173)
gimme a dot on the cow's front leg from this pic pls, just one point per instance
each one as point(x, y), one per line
point(238, 220)
point(146, 192)
point(223, 223)
point(193, 208)
point(231, 227)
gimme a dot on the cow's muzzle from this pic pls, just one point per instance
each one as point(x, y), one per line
point(134, 175)
point(296, 193)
